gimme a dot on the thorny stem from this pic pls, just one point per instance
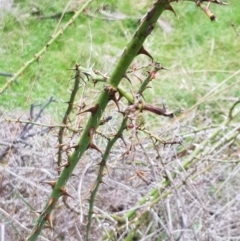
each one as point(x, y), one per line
point(102, 166)
point(132, 49)
point(149, 78)
point(67, 113)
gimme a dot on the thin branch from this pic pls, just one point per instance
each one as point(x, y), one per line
point(67, 113)
point(102, 166)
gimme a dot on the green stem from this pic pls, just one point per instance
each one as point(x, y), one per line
point(125, 60)
point(134, 46)
point(150, 77)
point(67, 113)
point(102, 165)
point(125, 94)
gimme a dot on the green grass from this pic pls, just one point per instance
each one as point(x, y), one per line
point(199, 53)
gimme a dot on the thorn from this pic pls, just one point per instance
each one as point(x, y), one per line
point(64, 192)
point(87, 75)
point(104, 183)
point(60, 145)
point(111, 92)
point(114, 99)
point(93, 110)
point(121, 137)
point(140, 78)
point(148, 87)
point(170, 8)
point(145, 52)
point(50, 202)
point(74, 175)
point(38, 213)
point(91, 132)
point(93, 146)
point(122, 112)
point(70, 147)
point(119, 97)
point(126, 77)
point(65, 164)
point(51, 183)
point(49, 220)
point(59, 169)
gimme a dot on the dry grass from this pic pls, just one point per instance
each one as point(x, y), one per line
point(201, 203)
